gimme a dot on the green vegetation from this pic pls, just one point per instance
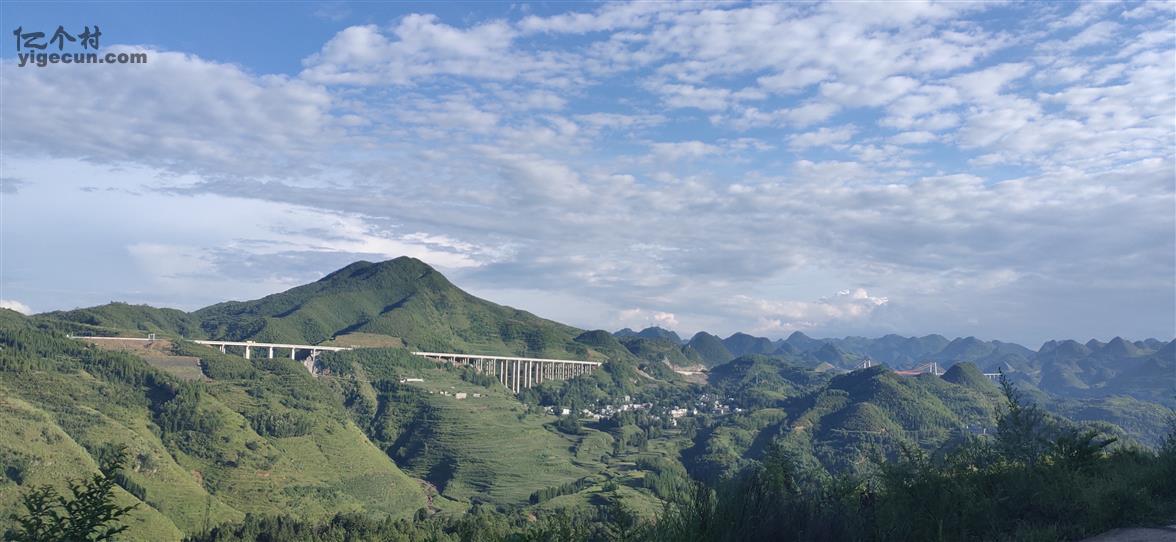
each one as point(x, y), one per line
point(117, 319)
point(195, 459)
point(784, 438)
point(1032, 481)
point(90, 513)
point(401, 298)
point(708, 348)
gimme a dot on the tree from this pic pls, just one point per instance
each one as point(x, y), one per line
point(89, 514)
point(569, 424)
point(1020, 431)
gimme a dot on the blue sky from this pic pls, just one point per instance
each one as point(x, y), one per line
point(999, 170)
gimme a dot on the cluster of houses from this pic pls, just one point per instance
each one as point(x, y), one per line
point(705, 405)
point(459, 395)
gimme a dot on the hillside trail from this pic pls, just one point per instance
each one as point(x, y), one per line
point(1137, 534)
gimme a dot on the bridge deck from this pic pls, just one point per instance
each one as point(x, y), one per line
point(503, 358)
point(274, 345)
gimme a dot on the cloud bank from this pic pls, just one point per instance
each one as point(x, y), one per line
point(1003, 171)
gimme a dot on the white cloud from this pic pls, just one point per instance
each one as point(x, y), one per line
point(682, 96)
point(679, 150)
point(420, 46)
point(638, 319)
point(178, 112)
point(542, 181)
point(913, 138)
point(14, 305)
point(800, 116)
point(987, 84)
point(631, 164)
point(822, 137)
point(780, 317)
point(611, 16)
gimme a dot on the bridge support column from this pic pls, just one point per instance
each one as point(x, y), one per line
point(247, 352)
point(222, 348)
point(292, 350)
point(271, 352)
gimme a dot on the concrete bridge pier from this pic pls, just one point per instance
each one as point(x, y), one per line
point(516, 373)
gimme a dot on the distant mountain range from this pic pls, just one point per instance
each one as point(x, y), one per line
point(404, 302)
point(1143, 369)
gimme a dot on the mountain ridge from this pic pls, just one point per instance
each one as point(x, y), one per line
point(406, 299)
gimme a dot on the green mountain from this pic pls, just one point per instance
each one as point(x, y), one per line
point(834, 424)
point(802, 342)
point(659, 333)
point(833, 356)
point(660, 351)
point(404, 299)
point(264, 437)
point(759, 380)
point(1119, 348)
point(967, 375)
point(894, 350)
point(741, 344)
point(709, 349)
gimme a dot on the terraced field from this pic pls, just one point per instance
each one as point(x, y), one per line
point(485, 447)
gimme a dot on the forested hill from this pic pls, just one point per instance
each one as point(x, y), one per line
point(391, 303)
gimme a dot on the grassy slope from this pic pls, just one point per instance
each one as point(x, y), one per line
point(469, 453)
point(67, 414)
point(36, 451)
point(490, 448)
point(332, 468)
point(478, 448)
